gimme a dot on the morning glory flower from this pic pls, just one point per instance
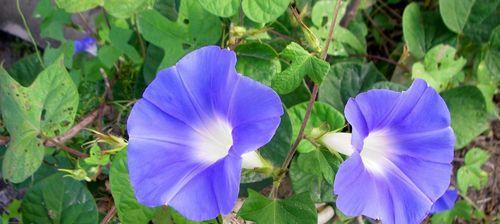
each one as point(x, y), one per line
point(400, 154)
point(86, 44)
point(445, 202)
point(189, 132)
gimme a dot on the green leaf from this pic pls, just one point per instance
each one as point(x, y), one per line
point(471, 174)
point(118, 38)
point(258, 61)
point(493, 54)
point(440, 68)
point(347, 80)
point(123, 9)
point(96, 156)
point(152, 62)
point(474, 18)
point(324, 118)
point(296, 209)
point(314, 172)
point(487, 84)
point(222, 8)
point(193, 29)
point(301, 64)
point(77, 5)
point(26, 69)
point(129, 210)
point(45, 109)
point(277, 149)
point(468, 113)
point(264, 11)
point(57, 199)
point(423, 30)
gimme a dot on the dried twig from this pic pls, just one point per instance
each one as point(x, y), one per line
point(109, 216)
point(67, 149)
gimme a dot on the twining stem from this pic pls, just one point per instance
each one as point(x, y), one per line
point(67, 149)
point(310, 105)
point(109, 216)
point(29, 33)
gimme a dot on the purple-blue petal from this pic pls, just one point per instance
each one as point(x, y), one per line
point(86, 44)
point(445, 202)
point(404, 146)
point(188, 132)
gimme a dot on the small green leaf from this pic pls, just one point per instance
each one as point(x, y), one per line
point(347, 80)
point(301, 64)
point(471, 174)
point(73, 6)
point(423, 30)
point(468, 113)
point(324, 118)
point(296, 209)
point(440, 68)
point(96, 156)
point(222, 8)
point(129, 210)
point(59, 200)
point(26, 69)
point(258, 61)
point(264, 11)
point(45, 109)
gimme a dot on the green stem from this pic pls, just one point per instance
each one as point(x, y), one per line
point(29, 33)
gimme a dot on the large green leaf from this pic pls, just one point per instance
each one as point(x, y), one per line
point(301, 64)
point(314, 172)
point(258, 61)
point(77, 5)
point(264, 11)
point(346, 80)
point(440, 67)
point(277, 149)
point(124, 8)
point(324, 118)
point(193, 29)
point(468, 113)
point(296, 209)
point(45, 109)
point(129, 210)
point(58, 200)
point(471, 174)
point(423, 30)
point(223, 8)
point(474, 18)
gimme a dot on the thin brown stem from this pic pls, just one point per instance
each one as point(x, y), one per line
point(351, 10)
point(67, 149)
point(109, 216)
point(87, 120)
point(139, 37)
point(330, 31)
point(310, 105)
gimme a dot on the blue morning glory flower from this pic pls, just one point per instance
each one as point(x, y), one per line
point(400, 151)
point(445, 202)
point(189, 132)
point(86, 44)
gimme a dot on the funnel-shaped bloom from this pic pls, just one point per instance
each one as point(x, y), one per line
point(445, 202)
point(188, 133)
point(400, 150)
point(86, 44)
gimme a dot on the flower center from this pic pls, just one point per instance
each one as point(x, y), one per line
point(214, 141)
point(374, 151)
